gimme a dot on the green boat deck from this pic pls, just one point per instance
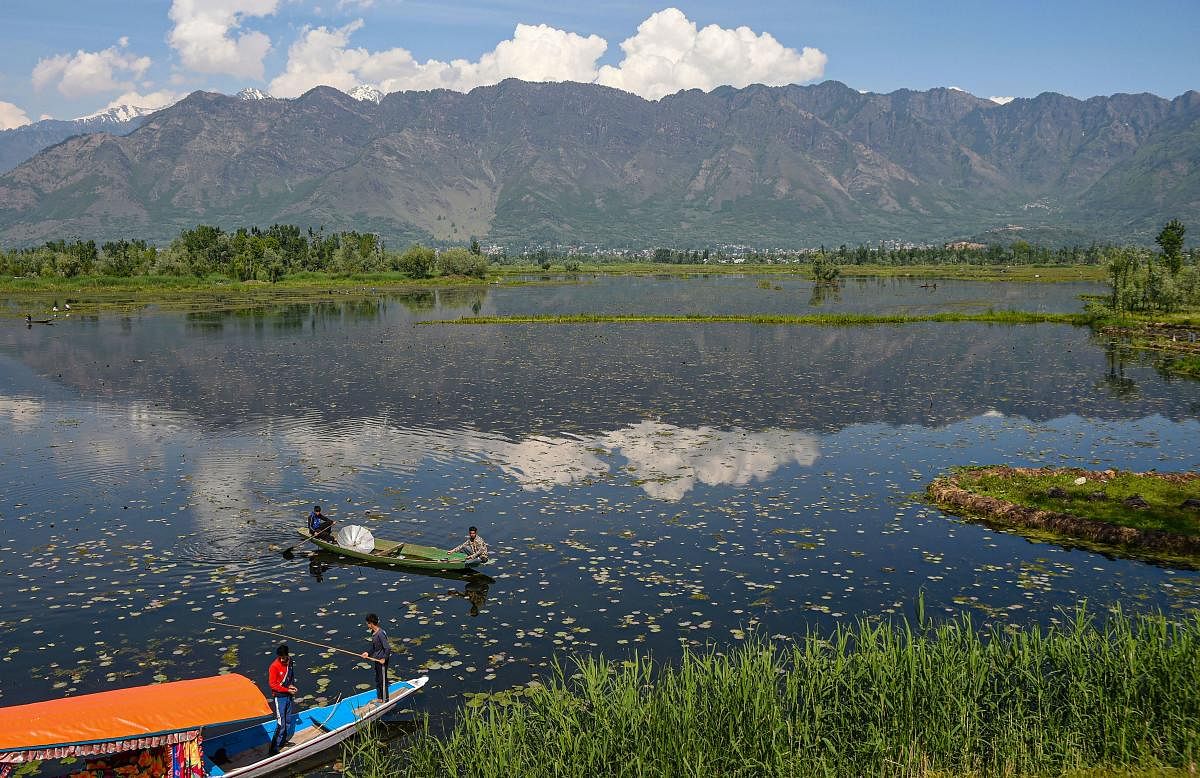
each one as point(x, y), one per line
point(399, 554)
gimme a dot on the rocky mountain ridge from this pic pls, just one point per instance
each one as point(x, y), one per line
point(525, 163)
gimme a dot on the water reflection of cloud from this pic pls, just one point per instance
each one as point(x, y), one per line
point(666, 461)
point(223, 483)
point(542, 463)
point(671, 460)
point(223, 477)
point(21, 412)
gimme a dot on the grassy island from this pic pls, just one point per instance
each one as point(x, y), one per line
point(1148, 512)
point(879, 698)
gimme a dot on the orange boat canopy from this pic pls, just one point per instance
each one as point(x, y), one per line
point(129, 714)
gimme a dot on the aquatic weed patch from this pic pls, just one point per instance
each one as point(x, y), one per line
point(106, 294)
point(876, 698)
point(1148, 511)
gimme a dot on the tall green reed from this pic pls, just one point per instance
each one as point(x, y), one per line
point(872, 699)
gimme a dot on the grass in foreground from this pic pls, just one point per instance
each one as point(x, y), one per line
point(1096, 499)
point(874, 699)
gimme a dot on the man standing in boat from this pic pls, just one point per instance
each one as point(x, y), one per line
point(474, 546)
point(380, 653)
point(282, 680)
point(320, 525)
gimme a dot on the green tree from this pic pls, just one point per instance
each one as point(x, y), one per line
point(475, 249)
point(824, 269)
point(461, 262)
point(1122, 269)
point(1170, 240)
point(417, 261)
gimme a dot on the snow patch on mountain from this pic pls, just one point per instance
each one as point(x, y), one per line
point(366, 93)
point(250, 93)
point(116, 114)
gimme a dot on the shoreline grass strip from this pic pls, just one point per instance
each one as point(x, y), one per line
point(811, 319)
point(876, 698)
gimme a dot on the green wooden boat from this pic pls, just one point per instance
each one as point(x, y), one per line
point(393, 554)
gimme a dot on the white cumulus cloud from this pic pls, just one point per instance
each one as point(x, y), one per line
point(204, 35)
point(668, 53)
point(91, 72)
point(11, 116)
point(1002, 100)
point(534, 53)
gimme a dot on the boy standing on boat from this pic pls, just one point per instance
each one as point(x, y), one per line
point(474, 546)
point(282, 680)
point(381, 652)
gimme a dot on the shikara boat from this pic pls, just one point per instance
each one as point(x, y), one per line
point(158, 729)
point(141, 729)
point(393, 554)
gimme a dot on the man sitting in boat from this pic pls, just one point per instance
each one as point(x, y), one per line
point(474, 546)
point(320, 525)
point(282, 680)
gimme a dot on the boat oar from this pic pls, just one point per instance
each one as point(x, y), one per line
point(307, 539)
point(275, 633)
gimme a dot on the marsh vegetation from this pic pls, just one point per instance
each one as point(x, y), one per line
point(876, 698)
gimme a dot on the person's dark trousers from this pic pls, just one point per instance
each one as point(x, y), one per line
point(285, 708)
point(381, 680)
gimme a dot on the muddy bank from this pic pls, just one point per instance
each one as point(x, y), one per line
point(950, 494)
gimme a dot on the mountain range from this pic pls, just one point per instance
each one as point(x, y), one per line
point(21, 143)
point(522, 163)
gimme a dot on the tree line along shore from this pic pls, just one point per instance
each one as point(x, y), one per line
point(281, 251)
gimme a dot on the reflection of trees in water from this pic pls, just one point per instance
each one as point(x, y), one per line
point(425, 300)
point(1122, 354)
point(1115, 380)
point(418, 301)
point(825, 291)
point(594, 379)
point(290, 316)
point(206, 320)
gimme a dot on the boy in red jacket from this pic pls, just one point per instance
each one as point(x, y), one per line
point(282, 680)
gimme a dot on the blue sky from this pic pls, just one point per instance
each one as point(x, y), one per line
point(64, 59)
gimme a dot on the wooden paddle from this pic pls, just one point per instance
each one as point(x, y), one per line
point(307, 539)
point(273, 633)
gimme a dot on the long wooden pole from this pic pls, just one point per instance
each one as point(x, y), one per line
point(276, 633)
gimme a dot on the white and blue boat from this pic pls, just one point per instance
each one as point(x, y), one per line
point(245, 752)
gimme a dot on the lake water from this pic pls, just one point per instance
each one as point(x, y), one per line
point(642, 486)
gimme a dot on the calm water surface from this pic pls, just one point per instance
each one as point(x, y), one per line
point(643, 487)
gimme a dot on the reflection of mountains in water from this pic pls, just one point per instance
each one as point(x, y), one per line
point(368, 361)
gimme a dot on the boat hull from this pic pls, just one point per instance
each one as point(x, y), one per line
point(317, 729)
point(392, 554)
